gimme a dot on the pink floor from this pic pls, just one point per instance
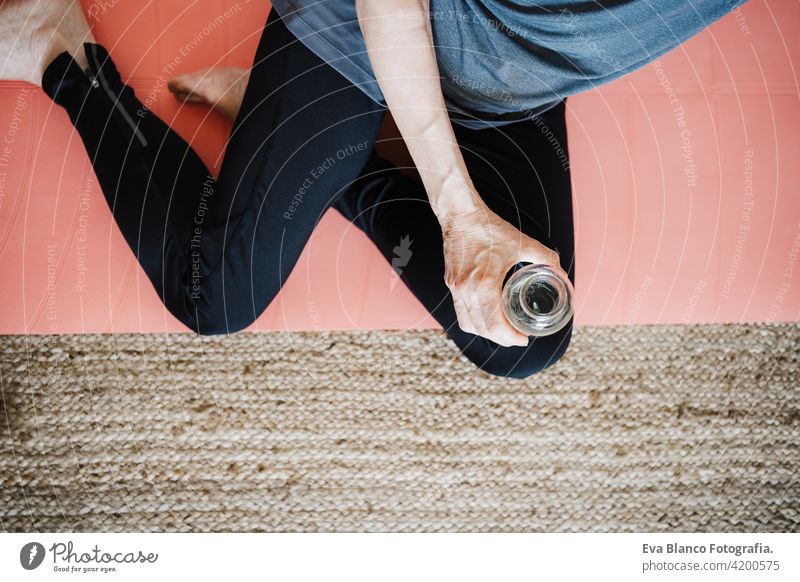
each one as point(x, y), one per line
point(687, 203)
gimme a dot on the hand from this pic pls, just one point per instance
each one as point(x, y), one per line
point(479, 249)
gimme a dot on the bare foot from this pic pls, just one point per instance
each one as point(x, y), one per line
point(221, 88)
point(34, 32)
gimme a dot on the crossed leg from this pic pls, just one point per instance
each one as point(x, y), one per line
point(219, 251)
point(521, 172)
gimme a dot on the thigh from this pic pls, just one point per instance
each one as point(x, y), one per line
point(302, 136)
point(522, 171)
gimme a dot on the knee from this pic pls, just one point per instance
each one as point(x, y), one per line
point(515, 362)
point(217, 318)
point(223, 323)
point(221, 293)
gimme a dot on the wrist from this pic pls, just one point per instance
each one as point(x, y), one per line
point(455, 197)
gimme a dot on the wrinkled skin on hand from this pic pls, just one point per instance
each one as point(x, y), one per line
point(479, 249)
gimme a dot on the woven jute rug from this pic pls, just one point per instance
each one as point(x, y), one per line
point(679, 428)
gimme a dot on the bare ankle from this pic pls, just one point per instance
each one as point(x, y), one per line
point(54, 44)
point(33, 34)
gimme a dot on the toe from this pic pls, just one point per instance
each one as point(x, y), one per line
point(180, 85)
point(187, 97)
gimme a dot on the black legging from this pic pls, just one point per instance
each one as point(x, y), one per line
point(219, 251)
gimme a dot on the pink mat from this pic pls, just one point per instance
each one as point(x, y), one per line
point(685, 180)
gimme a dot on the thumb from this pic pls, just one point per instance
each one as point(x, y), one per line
point(540, 254)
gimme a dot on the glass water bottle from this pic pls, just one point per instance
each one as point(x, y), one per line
point(537, 301)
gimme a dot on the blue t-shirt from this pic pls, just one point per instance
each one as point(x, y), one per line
point(502, 60)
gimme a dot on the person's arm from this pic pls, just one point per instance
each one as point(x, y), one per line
point(479, 246)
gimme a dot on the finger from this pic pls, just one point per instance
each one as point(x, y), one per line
point(502, 337)
point(503, 333)
point(540, 254)
point(549, 257)
point(493, 325)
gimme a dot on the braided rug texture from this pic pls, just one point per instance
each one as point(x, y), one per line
point(673, 428)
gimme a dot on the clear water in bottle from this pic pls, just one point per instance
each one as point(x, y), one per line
point(537, 301)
